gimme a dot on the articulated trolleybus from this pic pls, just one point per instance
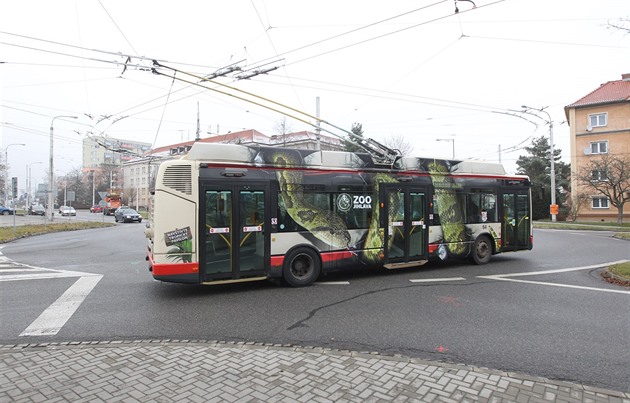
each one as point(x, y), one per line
point(229, 213)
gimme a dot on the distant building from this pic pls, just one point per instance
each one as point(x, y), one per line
point(139, 172)
point(98, 151)
point(600, 124)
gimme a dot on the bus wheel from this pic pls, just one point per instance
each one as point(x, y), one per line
point(301, 267)
point(482, 250)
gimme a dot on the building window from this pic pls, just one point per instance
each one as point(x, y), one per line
point(599, 147)
point(598, 175)
point(600, 202)
point(597, 120)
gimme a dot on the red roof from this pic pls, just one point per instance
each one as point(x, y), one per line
point(610, 92)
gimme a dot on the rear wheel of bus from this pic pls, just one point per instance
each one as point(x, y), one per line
point(482, 250)
point(301, 267)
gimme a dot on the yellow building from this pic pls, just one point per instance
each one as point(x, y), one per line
point(600, 126)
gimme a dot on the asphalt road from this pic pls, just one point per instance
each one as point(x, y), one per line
point(546, 312)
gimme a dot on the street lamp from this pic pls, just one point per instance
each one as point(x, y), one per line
point(451, 140)
point(552, 172)
point(29, 185)
point(6, 162)
point(51, 196)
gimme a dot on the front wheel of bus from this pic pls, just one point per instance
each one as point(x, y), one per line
point(301, 267)
point(482, 250)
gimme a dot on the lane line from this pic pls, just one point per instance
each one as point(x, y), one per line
point(431, 280)
point(507, 277)
point(59, 312)
point(579, 287)
point(45, 276)
point(536, 273)
point(333, 283)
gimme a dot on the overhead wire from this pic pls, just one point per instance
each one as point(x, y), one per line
point(305, 46)
point(359, 28)
point(118, 27)
point(391, 33)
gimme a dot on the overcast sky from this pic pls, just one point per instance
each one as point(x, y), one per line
point(400, 68)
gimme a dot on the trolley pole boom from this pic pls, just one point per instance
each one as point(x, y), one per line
point(383, 153)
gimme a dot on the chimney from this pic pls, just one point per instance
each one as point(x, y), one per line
point(625, 77)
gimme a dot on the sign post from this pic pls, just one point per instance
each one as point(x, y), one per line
point(14, 190)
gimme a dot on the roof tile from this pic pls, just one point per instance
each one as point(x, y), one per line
point(610, 92)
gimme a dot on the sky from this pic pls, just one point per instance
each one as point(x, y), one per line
point(415, 70)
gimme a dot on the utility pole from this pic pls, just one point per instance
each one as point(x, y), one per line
point(318, 129)
point(197, 138)
point(553, 208)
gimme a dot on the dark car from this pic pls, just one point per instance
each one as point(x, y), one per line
point(5, 211)
point(127, 215)
point(97, 208)
point(37, 209)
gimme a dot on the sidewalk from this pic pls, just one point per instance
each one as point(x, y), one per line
point(200, 371)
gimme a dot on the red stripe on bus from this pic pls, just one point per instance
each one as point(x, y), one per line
point(332, 256)
point(174, 269)
point(277, 261)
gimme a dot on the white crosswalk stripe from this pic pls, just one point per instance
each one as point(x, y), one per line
point(59, 312)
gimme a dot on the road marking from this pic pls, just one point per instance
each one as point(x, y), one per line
point(506, 277)
point(333, 283)
point(59, 312)
point(431, 280)
point(46, 275)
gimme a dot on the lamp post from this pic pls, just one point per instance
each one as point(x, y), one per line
point(451, 140)
point(51, 196)
point(552, 171)
point(29, 185)
point(6, 162)
point(92, 177)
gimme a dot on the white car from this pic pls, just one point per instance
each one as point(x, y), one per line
point(65, 210)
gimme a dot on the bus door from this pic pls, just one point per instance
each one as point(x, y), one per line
point(516, 220)
point(235, 242)
point(406, 227)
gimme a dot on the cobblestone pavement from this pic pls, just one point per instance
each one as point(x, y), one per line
point(207, 371)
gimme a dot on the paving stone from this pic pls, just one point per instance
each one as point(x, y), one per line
point(167, 371)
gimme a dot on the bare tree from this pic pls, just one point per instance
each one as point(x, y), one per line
point(282, 128)
point(130, 196)
point(622, 24)
point(609, 176)
point(574, 205)
point(398, 142)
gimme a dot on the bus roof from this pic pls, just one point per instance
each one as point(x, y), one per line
point(263, 156)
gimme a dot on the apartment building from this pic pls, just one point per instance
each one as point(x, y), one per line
point(599, 126)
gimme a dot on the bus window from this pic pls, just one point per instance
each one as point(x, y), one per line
point(481, 208)
point(285, 222)
point(488, 207)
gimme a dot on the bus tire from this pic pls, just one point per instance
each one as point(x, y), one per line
point(482, 250)
point(301, 267)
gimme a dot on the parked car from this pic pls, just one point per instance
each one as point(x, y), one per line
point(37, 209)
point(97, 208)
point(65, 210)
point(5, 210)
point(127, 215)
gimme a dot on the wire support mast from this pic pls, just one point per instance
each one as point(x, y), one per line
point(381, 153)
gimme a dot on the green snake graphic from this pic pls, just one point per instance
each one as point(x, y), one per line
point(324, 224)
point(451, 217)
point(328, 227)
point(376, 236)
